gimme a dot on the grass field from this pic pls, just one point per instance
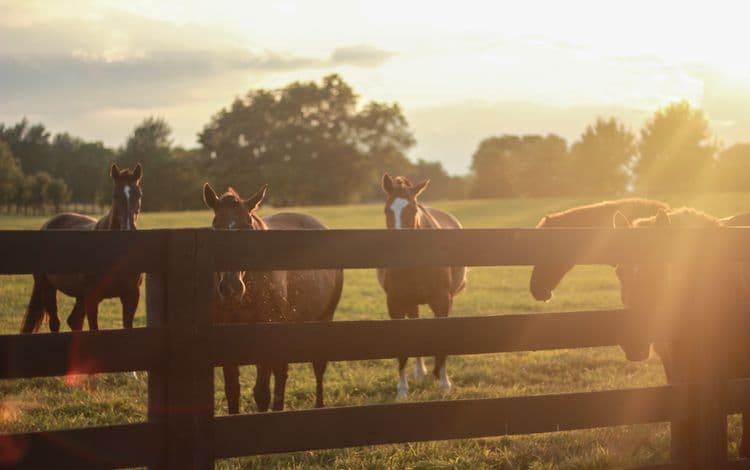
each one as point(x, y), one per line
point(50, 403)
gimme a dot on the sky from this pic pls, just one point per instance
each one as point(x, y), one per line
point(462, 71)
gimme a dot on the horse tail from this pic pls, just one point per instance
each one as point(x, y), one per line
point(36, 310)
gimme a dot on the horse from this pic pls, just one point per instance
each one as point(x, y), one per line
point(90, 289)
point(407, 288)
point(682, 288)
point(546, 276)
point(269, 296)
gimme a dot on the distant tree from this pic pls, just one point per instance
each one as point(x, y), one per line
point(600, 158)
point(11, 176)
point(38, 185)
point(83, 165)
point(442, 185)
point(57, 193)
point(171, 180)
point(30, 145)
point(529, 165)
point(308, 141)
point(676, 150)
point(732, 169)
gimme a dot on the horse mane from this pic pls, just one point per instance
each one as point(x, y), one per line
point(600, 214)
point(425, 216)
point(682, 217)
point(231, 194)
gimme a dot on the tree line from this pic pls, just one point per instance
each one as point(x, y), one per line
point(314, 144)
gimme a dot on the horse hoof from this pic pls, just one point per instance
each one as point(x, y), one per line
point(402, 393)
point(445, 386)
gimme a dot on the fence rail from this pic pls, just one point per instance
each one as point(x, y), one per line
point(181, 346)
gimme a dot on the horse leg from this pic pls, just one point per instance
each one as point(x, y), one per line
point(441, 307)
point(420, 371)
point(129, 304)
point(280, 374)
point(232, 388)
point(262, 389)
point(320, 369)
point(50, 304)
point(91, 305)
point(76, 317)
point(396, 312)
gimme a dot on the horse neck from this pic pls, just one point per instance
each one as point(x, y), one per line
point(108, 221)
point(425, 220)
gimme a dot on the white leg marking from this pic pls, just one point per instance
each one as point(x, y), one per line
point(445, 382)
point(403, 385)
point(419, 369)
point(397, 206)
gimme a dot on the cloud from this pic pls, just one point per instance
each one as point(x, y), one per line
point(361, 55)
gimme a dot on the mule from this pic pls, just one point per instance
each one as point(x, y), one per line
point(673, 293)
point(546, 276)
point(89, 289)
point(269, 296)
point(408, 288)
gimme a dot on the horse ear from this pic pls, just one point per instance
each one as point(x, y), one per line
point(662, 218)
point(138, 172)
point(387, 183)
point(620, 221)
point(254, 202)
point(209, 196)
point(114, 171)
point(419, 188)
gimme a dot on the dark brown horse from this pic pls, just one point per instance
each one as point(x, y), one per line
point(673, 293)
point(89, 290)
point(545, 277)
point(269, 296)
point(408, 288)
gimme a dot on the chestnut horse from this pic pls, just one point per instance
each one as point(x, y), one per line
point(407, 288)
point(90, 289)
point(545, 277)
point(650, 290)
point(269, 296)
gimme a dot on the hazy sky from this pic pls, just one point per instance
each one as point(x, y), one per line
point(461, 70)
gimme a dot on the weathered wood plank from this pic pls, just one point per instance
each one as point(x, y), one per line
point(86, 352)
point(68, 251)
point(156, 317)
point(305, 249)
point(427, 421)
point(125, 445)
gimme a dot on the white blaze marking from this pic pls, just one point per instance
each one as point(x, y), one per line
point(232, 225)
point(403, 384)
point(445, 383)
point(419, 369)
point(127, 190)
point(397, 206)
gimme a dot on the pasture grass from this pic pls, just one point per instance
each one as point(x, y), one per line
point(53, 403)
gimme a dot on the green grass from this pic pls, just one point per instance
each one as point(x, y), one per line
point(51, 403)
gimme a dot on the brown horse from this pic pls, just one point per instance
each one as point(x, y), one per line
point(545, 277)
point(89, 290)
point(407, 288)
point(650, 290)
point(269, 296)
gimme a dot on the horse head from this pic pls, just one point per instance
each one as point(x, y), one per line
point(231, 212)
point(126, 196)
point(401, 207)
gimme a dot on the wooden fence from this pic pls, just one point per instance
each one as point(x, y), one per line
point(180, 347)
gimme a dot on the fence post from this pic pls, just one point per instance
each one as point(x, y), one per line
point(182, 395)
point(710, 374)
point(156, 313)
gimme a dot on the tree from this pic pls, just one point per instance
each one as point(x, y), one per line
point(529, 165)
point(30, 145)
point(37, 185)
point(732, 170)
point(82, 165)
point(171, 180)
point(57, 193)
point(11, 176)
point(442, 185)
point(308, 141)
point(676, 150)
point(600, 158)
